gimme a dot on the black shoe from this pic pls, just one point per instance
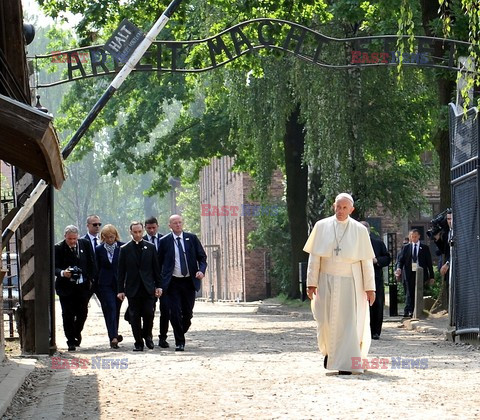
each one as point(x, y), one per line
point(180, 347)
point(344, 372)
point(163, 344)
point(375, 336)
point(119, 338)
point(407, 315)
point(71, 347)
point(325, 361)
point(138, 348)
point(149, 343)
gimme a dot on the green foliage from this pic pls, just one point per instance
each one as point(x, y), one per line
point(86, 191)
point(435, 289)
point(364, 132)
point(272, 233)
point(189, 199)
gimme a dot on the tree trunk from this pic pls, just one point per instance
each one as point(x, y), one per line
point(441, 139)
point(446, 89)
point(296, 195)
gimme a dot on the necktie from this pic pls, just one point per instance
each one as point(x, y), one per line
point(95, 241)
point(414, 257)
point(183, 264)
point(154, 241)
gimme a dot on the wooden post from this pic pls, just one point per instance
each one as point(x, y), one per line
point(2, 273)
point(418, 309)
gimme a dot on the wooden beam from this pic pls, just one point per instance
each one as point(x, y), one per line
point(28, 140)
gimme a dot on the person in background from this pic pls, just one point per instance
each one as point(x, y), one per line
point(183, 263)
point(92, 235)
point(411, 256)
point(74, 273)
point(93, 229)
point(139, 280)
point(382, 259)
point(107, 254)
point(153, 236)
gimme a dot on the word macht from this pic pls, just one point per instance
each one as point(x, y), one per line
point(93, 363)
point(394, 362)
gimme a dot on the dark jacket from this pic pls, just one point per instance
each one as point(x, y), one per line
point(106, 270)
point(195, 254)
point(84, 259)
point(404, 261)
point(383, 259)
point(133, 270)
point(159, 236)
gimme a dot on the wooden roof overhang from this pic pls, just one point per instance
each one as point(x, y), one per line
point(28, 140)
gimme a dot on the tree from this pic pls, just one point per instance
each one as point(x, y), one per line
point(268, 111)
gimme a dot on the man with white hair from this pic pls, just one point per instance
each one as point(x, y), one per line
point(341, 284)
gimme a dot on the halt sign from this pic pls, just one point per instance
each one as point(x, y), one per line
point(124, 41)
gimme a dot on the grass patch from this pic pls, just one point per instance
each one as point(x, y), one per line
point(283, 299)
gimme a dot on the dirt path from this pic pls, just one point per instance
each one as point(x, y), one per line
point(240, 364)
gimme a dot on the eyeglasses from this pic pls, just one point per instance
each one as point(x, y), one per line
point(96, 224)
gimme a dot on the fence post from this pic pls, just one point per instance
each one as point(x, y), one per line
point(418, 308)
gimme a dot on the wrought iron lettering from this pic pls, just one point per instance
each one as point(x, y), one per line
point(304, 43)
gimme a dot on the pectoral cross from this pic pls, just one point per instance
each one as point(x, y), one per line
point(337, 249)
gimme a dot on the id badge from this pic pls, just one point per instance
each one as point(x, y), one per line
point(414, 266)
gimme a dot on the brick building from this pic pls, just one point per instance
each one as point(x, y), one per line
point(234, 273)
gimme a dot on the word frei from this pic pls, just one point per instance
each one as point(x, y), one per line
point(242, 210)
point(392, 57)
point(394, 362)
point(93, 363)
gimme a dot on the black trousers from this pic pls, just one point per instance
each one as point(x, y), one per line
point(409, 286)
point(141, 308)
point(164, 317)
point(181, 300)
point(376, 310)
point(74, 314)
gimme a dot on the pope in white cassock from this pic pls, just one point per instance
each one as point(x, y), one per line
point(341, 284)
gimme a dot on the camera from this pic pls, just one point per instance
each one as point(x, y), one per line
point(76, 272)
point(439, 223)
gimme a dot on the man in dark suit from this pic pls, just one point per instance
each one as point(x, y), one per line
point(183, 263)
point(93, 228)
point(139, 279)
point(92, 235)
point(74, 273)
point(151, 226)
point(382, 259)
point(412, 255)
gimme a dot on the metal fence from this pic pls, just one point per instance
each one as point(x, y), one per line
point(465, 264)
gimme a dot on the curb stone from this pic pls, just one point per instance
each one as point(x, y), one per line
point(12, 376)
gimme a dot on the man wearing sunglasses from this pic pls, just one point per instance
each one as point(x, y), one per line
point(93, 227)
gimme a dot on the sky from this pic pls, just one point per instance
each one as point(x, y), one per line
point(31, 8)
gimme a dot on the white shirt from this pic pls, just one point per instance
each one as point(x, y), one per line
point(91, 237)
point(156, 240)
point(177, 272)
